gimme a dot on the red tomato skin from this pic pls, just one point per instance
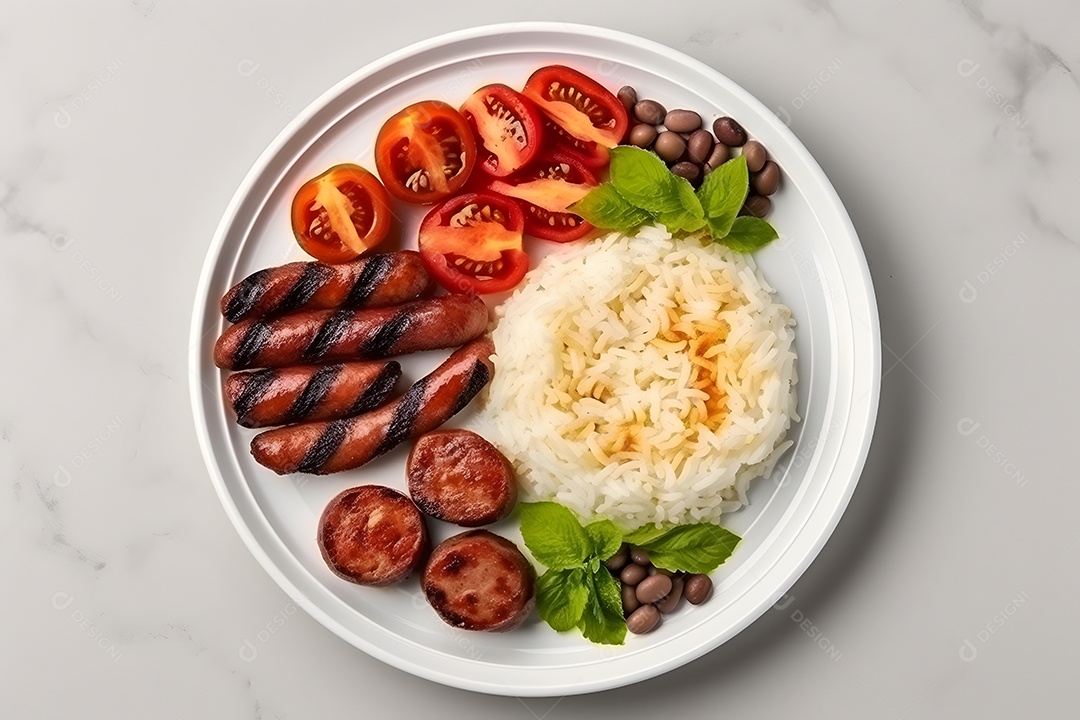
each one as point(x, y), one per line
point(516, 262)
point(527, 115)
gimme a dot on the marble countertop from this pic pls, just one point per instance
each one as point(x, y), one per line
point(949, 130)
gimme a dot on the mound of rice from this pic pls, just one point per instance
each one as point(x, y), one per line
point(646, 379)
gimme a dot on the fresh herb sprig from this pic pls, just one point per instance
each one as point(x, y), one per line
point(643, 190)
point(578, 591)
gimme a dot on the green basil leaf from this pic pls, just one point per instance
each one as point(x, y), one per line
point(699, 548)
point(723, 194)
point(690, 216)
point(561, 596)
point(604, 207)
point(749, 234)
point(553, 535)
point(606, 538)
point(646, 534)
point(602, 621)
point(643, 179)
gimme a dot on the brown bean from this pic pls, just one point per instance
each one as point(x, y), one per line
point(649, 111)
point(671, 600)
point(755, 155)
point(643, 135)
point(729, 132)
point(633, 573)
point(669, 146)
point(697, 589)
point(643, 620)
point(618, 560)
point(682, 121)
point(690, 171)
point(639, 556)
point(756, 205)
point(630, 602)
point(720, 154)
point(700, 145)
point(628, 97)
point(653, 589)
point(767, 180)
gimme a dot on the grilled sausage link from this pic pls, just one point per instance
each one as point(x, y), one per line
point(328, 447)
point(309, 392)
point(316, 336)
point(370, 281)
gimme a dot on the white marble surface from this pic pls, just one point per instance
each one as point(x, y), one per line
point(948, 128)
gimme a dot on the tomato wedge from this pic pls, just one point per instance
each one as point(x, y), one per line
point(425, 153)
point(544, 190)
point(578, 104)
point(592, 155)
point(508, 128)
point(472, 243)
point(341, 213)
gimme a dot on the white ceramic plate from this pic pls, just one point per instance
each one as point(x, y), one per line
point(817, 266)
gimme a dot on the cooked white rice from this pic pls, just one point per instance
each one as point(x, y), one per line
point(646, 379)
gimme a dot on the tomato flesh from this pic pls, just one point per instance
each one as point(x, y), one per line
point(425, 153)
point(544, 190)
point(578, 104)
point(472, 243)
point(508, 128)
point(341, 213)
point(592, 155)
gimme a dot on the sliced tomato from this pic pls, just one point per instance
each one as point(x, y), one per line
point(425, 153)
point(508, 128)
point(578, 104)
point(341, 213)
point(592, 155)
point(544, 190)
point(472, 243)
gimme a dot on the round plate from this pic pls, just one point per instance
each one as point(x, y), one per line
point(817, 266)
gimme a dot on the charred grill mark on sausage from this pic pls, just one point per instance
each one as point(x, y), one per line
point(371, 278)
point(254, 341)
point(404, 418)
point(325, 446)
point(254, 388)
point(381, 343)
point(313, 393)
point(246, 294)
point(375, 280)
point(328, 334)
point(314, 276)
point(379, 389)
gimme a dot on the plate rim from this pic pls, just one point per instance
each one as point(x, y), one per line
point(498, 685)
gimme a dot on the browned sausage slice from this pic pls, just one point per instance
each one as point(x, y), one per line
point(480, 581)
point(372, 535)
point(370, 281)
point(279, 396)
point(329, 447)
point(317, 336)
point(459, 477)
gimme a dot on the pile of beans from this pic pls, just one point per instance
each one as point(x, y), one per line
point(649, 592)
point(693, 152)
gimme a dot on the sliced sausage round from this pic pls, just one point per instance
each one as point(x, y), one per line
point(480, 581)
point(372, 535)
point(459, 477)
